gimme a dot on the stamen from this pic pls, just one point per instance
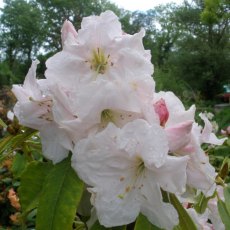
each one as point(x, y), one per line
point(99, 61)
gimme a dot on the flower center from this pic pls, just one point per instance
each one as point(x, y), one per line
point(140, 167)
point(99, 61)
point(106, 117)
point(45, 108)
point(136, 181)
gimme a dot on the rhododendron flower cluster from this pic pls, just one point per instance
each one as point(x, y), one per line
point(128, 142)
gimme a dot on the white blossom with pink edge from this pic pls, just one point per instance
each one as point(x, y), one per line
point(185, 138)
point(177, 122)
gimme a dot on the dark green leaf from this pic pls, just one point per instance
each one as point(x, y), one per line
point(185, 221)
point(143, 223)
point(61, 195)
point(32, 181)
point(97, 226)
point(224, 169)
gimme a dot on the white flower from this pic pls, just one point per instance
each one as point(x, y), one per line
point(207, 136)
point(200, 220)
point(176, 120)
point(34, 110)
point(185, 138)
point(126, 168)
point(176, 109)
point(99, 50)
point(201, 174)
point(91, 107)
point(10, 115)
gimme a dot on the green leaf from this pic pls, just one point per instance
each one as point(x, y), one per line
point(2, 123)
point(185, 221)
point(97, 226)
point(227, 197)
point(224, 169)
point(10, 142)
point(4, 141)
point(19, 164)
point(61, 195)
point(143, 223)
point(32, 180)
point(225, 217)
point(202, 202)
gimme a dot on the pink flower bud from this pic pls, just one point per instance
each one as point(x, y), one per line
point(162, 111)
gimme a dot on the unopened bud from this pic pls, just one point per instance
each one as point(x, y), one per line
point(162, 111)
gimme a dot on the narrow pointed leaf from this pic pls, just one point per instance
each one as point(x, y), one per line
point(143, 223)
point(202, 202)
point(225, 217)
point(10, 142)
point(4, 142)
point(227, 198)
point(61, 195)
point(185, 220)
point(31, 184)
point(2, 123)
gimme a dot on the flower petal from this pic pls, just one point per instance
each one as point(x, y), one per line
point(159, 213)
point(53, 142)
point(207, 136)
point(179, 135)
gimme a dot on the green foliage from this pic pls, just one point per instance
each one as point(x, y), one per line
point(219, 158)
point(223, 210)
point(209, 15)
point(143, 223)
point(185, 221)
point(62, 191)
point(227, 197)
point(202, 202)
point(22, 28)
point(34, 176)
point(199, 54)
point(6, 75)
point(19, 164)
point(22, 34)
point(97, 226)
point(223, 118)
